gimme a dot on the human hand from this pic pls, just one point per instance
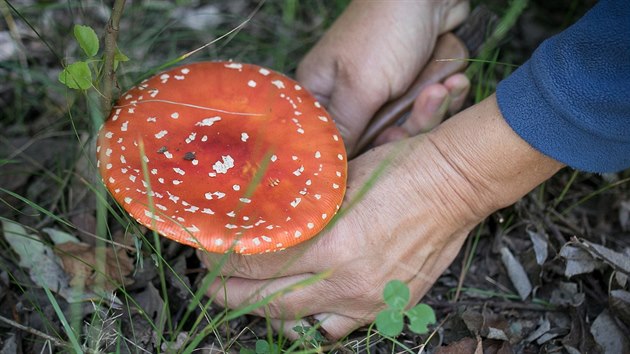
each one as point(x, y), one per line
point(409, 225)
point(372, 53)
point(403, 229)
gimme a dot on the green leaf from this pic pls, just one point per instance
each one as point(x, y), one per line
point(420, 317)
point(309, 334)
point(118, 57)
point(262, 347)
point(396, 294)
point(87, 38)
point(390, 322)
point(76, 76)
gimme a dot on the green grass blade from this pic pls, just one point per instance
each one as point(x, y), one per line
point(64, 322)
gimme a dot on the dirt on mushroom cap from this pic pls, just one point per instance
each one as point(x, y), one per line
point(237, 156)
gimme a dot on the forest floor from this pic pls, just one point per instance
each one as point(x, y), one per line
point(548, 274)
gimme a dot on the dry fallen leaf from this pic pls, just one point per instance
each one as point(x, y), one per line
point(148, 313)
point(465, 345)
point(543, 327)
point(608, 335)
point(9, 344)
point(539, 241)
point(619, 261)
point(79, 261)
point(583, 257)
point(40, 260)
point(620, 305)
point(517, 273)
point(567, 294)
point(579, 261)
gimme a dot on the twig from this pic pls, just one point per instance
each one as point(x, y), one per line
point(111, 34)
point(56, 341)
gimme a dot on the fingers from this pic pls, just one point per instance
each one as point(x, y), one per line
point(458, 86)
point(299, 259)
point(433, 104)
point(287, 298)
point(428, 110)
point(436, 102)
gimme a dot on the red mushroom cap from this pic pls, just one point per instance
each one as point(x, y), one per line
point(238, 156)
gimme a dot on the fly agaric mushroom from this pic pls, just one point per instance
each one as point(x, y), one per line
point(237, 157)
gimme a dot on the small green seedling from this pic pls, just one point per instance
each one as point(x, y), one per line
point(78, 75)
point(309, 336)
point(390, 321)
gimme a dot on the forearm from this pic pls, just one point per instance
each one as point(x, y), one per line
point(571, 99)
point(491, 166)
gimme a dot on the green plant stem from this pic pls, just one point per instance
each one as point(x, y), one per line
point(593, 194)
point(566, 188)
point(111, 34)
point(501, 30)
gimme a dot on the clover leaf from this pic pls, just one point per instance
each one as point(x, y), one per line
point(390, 321)
point(420, 317)
point(396, 294)
point(76, 76)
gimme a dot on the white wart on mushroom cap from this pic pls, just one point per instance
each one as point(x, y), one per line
point(237, 156)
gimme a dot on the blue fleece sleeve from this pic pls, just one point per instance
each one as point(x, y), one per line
point(571, 99)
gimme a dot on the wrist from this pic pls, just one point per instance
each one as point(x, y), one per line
point(490, 164)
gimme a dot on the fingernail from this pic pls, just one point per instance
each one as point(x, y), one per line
point(457, 85)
